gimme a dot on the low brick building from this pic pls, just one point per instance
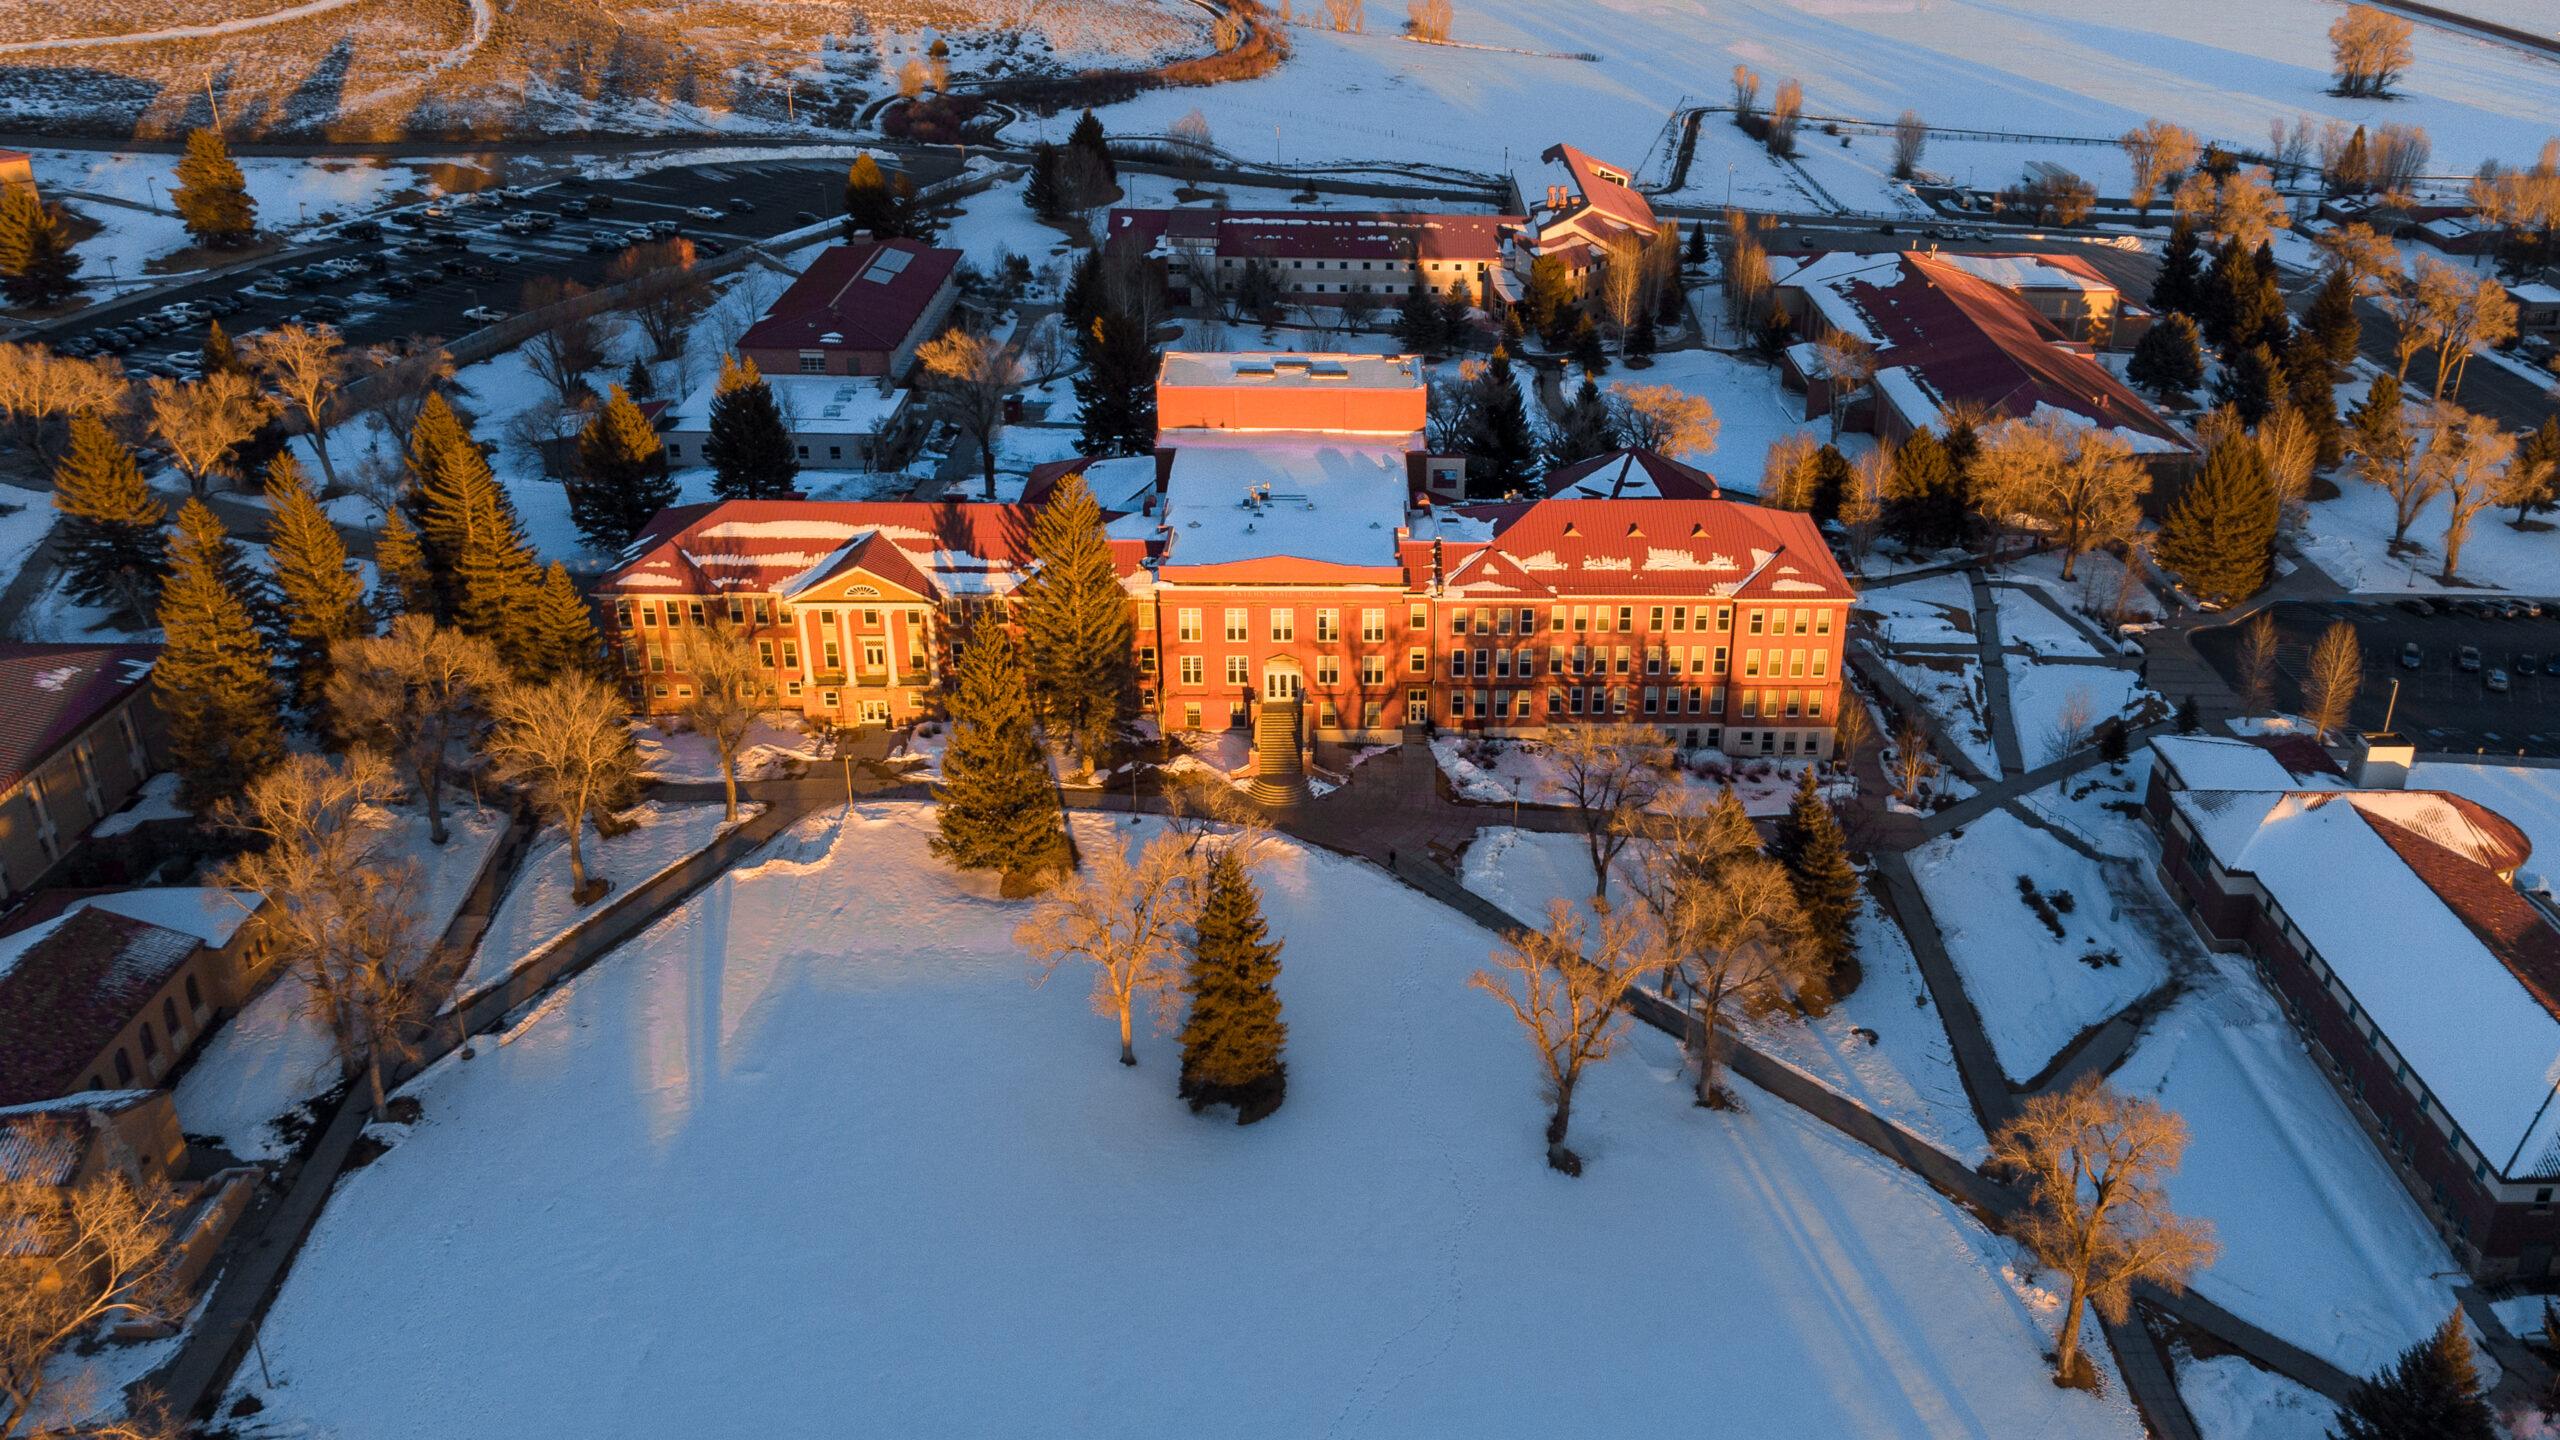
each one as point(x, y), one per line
point(2388, 923)
point(78, 737)
point(859, 309)
point(108, 991)
point(1322, 257)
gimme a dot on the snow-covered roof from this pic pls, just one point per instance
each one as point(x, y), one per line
point(1901, 388)
point(210, 913)
point(1311, 497)
point(810, 404)
point(2031, 272)
point(2536, 293)
point(2398, 893)
point(1288, 370)
point(2214, 762)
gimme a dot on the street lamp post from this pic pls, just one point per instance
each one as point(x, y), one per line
point(1728, 184)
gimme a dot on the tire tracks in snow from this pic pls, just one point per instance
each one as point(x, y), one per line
point(213, 30)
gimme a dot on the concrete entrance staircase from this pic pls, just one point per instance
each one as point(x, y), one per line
point(1279, 766)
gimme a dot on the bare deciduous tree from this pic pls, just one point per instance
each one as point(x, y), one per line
point(2083, 485)
point(2258, 645)
point(2159, 150)
point(201, 420)
point(1789, 471)
point(1910, 766)
point(403, 376)
point(2469, 452)
point(2093, 1162)
point(1746, 91)
point(1569, 994)
point(38, 387)
point(662, 291)
point(970, 375)
point(80, 1260)
point(1848, 363)
point(1125, 917)
point(566, 743)
point(1621, 286)
point(730, 689)
point(1910, 138)
point(414, 693)
point(1429, 20)
point(1786, 109)
point(1606, 773)
point(2371, 261)
point(2241, 208)
point(1663, 418)
point(1349, 17)
point(2334, 675)
point(1741, 946)
point(2071, 724)
point(570, 343)
point(1853, 730)
point(305, 365)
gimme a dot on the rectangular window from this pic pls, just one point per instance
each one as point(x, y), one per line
point(1795, 664)
point(870, 619)
point(1679, 617)
point(1418, 617)
point(1187, 627)
point(790, 654)
point(1821, 663)
point(1501, 622)
point(1191, 716)
point(1822, 622)
point(1795, 703)
point(1457, 664)
point(1235, 625)
point(1373, 625)
point(764, 611)
point(1239, 671)
point(875, 656)
point(1652, 700)
point(1457, 622)
point(1804, 621)
point(1328, 717)
point(1758, 618)
point(1813, 705)
point(1284, 626)
point(1750, 704)
point(737, 611)
point(1626, 617)
point(1581, 619)
point(1555, 618)
point(1328, 670)
point(1418, 661)
point(622, 614)
point(1724, 618)
point(1722, 657)
point(1146, 659)
point(1328, 626)
point(1193, 670)
point(1751, 664)
point(1653, 618)
point(764, 653)
point(1373, 669)
point(1528, 622)
point(835, 658)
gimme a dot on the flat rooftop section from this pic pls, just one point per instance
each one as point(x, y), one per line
point(811, 404)
point(1301, 497)
point(1290, 369)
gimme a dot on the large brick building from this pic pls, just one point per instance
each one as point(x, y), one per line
point(1318, 256)
point(2388, 923)
point(77, 740)
point(859, 309)
point(1285, 544)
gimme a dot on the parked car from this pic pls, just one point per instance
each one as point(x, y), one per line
point(517, 224)
point(543, 220)
point(604, 244)
point(482, 273)
point(2528, 664)
point(2417, 607)
point(2497, 682)
point(484, 315)
point(741, 207)
point(601, 200)
point(574, 206)
point(805, 217)
point(708, 246)
point(2467, 659)
point(663, 229)
point(453, 240)
point(2532, 609)
point(453, 264)
point(363, 230)
point(2411, 657)
point(399, 285)
point(326, 308)
point(708, 212)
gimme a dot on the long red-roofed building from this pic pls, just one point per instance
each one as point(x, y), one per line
point(859, 309)
point(1282, 544)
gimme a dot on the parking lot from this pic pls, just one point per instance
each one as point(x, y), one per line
point(424, 274)
point(2441, 705)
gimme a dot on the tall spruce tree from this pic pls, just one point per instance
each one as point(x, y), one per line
point(2169, 361)
point(1042, 192)
point(750, 447)
point(2179, 288)
point(221, 357)
point(1815, 852)
point(2311, 382)
point(2217, 293)
point(2331, 320)
point(37, 266)
point(320, 595)
point(883, 203)
point(1501, 449)
point(212, 196)
point(1928, 508)
point(642, 384)
point(1088, 140)
point(1420, 327)
point(1697, 243)
point(1587, 428)
point(1832, 477)
point(995, 806)
point(1116, 393)
point(485, 575)
point(2540, 454)
point(214, 682)
point(1233, 1037)
point(621, 478)
point(2220, 534)
point(564, 639)
point(408, 586)
point(2250, 382)
point(110, 537)
point(1076, 633)
point(2432, 1392)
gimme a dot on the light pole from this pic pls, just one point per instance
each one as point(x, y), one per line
point(154, 182)
point(1728, 184)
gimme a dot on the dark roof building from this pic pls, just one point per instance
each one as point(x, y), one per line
point(861, 309)
point(72, 990)
point(76, 740)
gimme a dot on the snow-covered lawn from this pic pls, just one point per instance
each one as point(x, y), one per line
point(773, 748)
point(2041, 694)
point(2026, 620)
point(2036, 990)
point(1752, 410)
point(814, 1147)
point(2529, 795)
point(2101, 804)
point(1526, 771)
point(538, 908)
point(269, 1060)
point(1951, 691)
point(2350, 538)
point(2320, 1244)
point(1883, 1046)
point(2232, 1399)
point(1937, 610)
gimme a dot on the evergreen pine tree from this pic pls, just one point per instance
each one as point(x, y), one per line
point(1041, 192)
point(995, 806)
point(109, 539)
point(2259, 315)
point(2331, 320)
point(1501, 450)
point(407, 586)
point(749, 446)
point(642, 384)
point(214, 684)
point(2541, 451)
point(621, 478)
point(1418, 323)
point(2249, 383)
point(1585, 431)
point(1087, 139)
point(1233, 1037)
point(37, 266)
point(1116, 393)
point(1076, 633)
point(2311, 383)
point(1832, 477)
point(2169, 361)
point(2178, 289)
point(564, 637)
point(1697, 242)
point(212, 197)
point(1928, 508)
point(2220, 535)
point(2188, 721)
point(322, 598)
point(2432, 1392)
point(485, 576)
point(1815, 852)
point(1081, 300)
point(1642, 339)
point(2217, 294)
point(882, 203)
point(221, 357)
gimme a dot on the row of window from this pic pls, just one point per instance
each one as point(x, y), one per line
point(149, 1037)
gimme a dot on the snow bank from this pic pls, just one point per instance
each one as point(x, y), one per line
point(2232, 1399)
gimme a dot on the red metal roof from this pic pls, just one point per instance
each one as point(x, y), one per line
point(1618, 203)
point(2506, 922)
point(57, 691)
point(856, 297)
point(1652, 547)
point(73, 991)
point(761, 546)
point(1633, 474)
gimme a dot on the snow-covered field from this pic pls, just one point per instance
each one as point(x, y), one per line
point(1008, 1234)
point(1951, 691)
point(2350, 538)
point(538, 908)
point(1937, 610)
point(271, 1058)
point(2040, 695)
point(772, 748)
point(2320, 1244)
point(2232, 1399)
point(1752, 411)
point(1883, 1046)
point(2036, 990)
